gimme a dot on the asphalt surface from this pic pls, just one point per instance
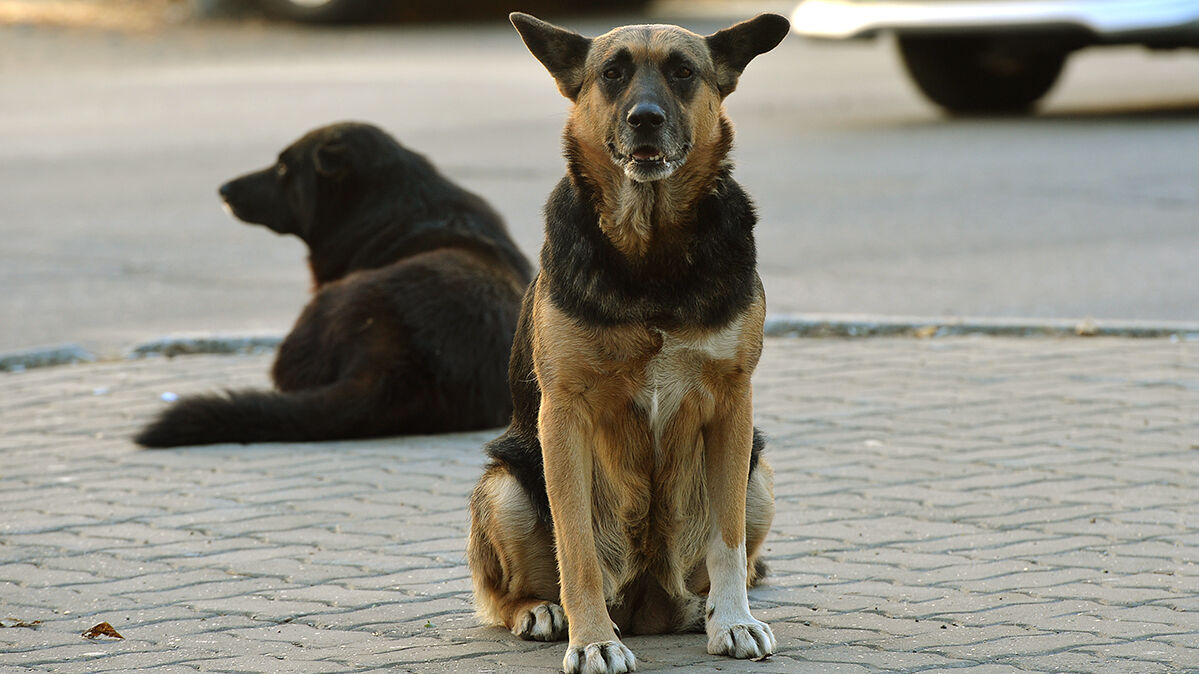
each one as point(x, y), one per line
point(112, 146)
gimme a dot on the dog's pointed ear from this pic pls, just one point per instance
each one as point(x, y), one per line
point(561, 51)
point(332, 159)
point(734, 47)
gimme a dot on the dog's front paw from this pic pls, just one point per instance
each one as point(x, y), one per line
point(746, 638)
point(543, 622)
point(602, 657)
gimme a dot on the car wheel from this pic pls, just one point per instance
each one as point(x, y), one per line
point(981, 74)
point(320, 11)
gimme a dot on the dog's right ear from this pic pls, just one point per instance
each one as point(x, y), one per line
point(332, 159)
point(561, 51)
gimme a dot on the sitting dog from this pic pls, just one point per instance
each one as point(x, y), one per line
point(417, 291)
point(629, 483)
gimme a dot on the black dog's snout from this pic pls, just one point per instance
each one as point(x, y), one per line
point(225, 190)
point(646, 114)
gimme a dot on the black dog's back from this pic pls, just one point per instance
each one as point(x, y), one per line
point(410, 327)
point(400, 205)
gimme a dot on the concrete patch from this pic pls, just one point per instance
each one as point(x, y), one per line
point(16, 361)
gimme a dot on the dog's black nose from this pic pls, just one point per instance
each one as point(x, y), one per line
point(225, 190)
point(646, 114)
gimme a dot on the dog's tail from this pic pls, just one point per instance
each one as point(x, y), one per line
point(325, 413)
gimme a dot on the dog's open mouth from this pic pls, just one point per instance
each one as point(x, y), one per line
point(645, 155)
point(648, 154)
point(647, 162)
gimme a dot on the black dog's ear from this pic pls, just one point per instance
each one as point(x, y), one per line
point(734, 47)
point(332, 159)
point(561, 51)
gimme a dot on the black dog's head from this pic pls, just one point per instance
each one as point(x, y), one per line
point(315, 180)
point(648, 95)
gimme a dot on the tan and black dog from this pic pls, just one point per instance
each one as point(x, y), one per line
point(629, 483)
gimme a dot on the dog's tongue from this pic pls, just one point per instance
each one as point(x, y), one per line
point(644, 153)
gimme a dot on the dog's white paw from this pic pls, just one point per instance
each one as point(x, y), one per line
point(746, 638)
point(603, 657)
point(543, 622)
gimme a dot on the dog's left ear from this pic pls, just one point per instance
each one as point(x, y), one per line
point(734, 47)
point(561, 51)
point(332, 159)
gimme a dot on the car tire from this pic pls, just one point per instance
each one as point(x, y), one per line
point(981, 74)
point(320, 11)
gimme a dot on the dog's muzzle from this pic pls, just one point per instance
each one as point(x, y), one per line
point(647, 144)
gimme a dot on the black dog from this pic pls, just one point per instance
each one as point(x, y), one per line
point(417, 295)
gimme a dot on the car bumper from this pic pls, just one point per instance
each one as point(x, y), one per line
point(845, 19)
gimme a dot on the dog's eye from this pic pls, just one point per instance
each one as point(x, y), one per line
point(612, 74)
point(281, 169)
point(682, 72)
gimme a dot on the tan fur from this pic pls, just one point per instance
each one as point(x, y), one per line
point(646, 432)
point(511, 578)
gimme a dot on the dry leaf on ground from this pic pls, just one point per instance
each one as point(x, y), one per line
point(102, 630)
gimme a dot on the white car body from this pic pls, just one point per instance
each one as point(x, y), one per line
point(1109, 20)
point(997, 56)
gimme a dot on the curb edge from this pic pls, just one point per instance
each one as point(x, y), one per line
point(855, 325)
point(777, 325)
point(186, 345)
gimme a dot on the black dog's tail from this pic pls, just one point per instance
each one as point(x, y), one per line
point(326, 413)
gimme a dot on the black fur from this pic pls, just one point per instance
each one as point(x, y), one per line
point(706, 283)
point(561, 51)
point(703, 281)
point(417, 292)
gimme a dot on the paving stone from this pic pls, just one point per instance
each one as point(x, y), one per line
point(1079, 662)
point(989, 504)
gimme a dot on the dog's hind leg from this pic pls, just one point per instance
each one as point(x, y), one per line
point(728, 445)
point(759, 514)
point(511, 556)
point(304, 359)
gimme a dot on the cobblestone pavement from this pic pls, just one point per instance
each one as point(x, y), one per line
point(993, 503)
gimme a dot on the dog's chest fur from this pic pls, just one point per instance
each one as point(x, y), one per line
point(677, 371)
point(657, 501)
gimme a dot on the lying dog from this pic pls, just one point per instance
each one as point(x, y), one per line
point(629, 483)
point(417, 294)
